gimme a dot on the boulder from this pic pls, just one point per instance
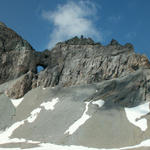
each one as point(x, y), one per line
point(21, 86)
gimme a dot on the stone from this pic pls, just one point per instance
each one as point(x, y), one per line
point(16, 55)
point(21, 86)
point(72, 65)
point(114, 42)
point(11, 40)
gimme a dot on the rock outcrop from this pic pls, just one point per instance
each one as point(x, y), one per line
point(16, 55)
point(85, 95)
point(74, 62)
point(21, 86)
point(10, 40)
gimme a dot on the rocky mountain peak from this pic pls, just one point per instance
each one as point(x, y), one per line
point(87, 94)
point(2, 24)
point(79, 41)
point(76, 61)
point(114, 42)
point(10, 40)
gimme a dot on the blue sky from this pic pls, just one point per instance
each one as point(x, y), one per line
point(45, 22)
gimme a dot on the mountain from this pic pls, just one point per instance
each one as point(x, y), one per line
point(87, 95)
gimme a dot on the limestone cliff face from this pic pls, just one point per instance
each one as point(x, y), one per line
point(85, 62)
point(15, 55)
point(74, 62)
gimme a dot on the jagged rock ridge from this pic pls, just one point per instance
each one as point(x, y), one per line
point(83, 80)
point(74, 62)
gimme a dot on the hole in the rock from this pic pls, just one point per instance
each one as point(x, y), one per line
point(40, 68)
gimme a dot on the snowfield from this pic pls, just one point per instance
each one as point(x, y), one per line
point(50, 105)
point(100, 103)
point(135, 115)
point(17, 102)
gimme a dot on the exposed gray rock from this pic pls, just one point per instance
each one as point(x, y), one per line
point(10, 40)
point(70, 63)
point(16, 55)
point(75, 72)
point(3, 24)
point(127, 91)
point(7, 111)
point(81, 64)
point(16, 63)
point(21, 86)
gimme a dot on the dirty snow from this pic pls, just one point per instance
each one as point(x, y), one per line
point(134, 115)
point(50, 105)
point(17, 102)
point(145, 143)
point(100, 103)
point(49, 146)
point(79, 122)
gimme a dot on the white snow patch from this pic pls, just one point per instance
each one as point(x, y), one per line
point(134, 115)
point(4, 136)
point(79, 122)
point(47, 146)
point(34, 115)
point(100, 103)
point(145, 143)
point(44, 88)
point(33, 142)
point(50, 105)
point(17, 102)
point(16, 140)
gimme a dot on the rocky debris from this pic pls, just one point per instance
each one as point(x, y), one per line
point(85, 64)
point(114, 42)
